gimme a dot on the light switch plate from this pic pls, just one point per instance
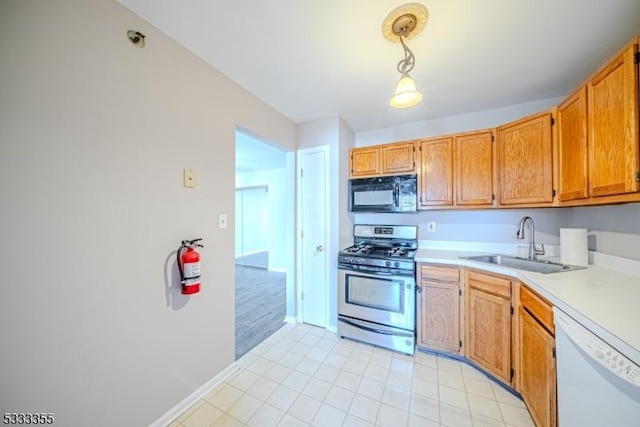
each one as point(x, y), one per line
point(189, 178)
point(222, 221)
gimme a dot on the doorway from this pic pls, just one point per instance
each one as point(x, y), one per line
point(263, 243)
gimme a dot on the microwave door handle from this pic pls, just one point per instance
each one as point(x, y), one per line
point(396, 195)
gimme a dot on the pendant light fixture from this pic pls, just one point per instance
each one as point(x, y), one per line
point(401, 24)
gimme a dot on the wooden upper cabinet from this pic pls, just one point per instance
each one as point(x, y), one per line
point(572, 147)
point(613, 126)
point(365, 161)
point(525, 161)
point(398, 158)
point(436, 172)
point(388, 159)
point(474, 169)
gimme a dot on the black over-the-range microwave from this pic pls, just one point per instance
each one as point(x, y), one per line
point(384, 194)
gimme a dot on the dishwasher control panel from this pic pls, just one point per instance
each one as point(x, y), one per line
point(598, 350)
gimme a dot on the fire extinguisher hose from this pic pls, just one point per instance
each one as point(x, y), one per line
point(179, 252)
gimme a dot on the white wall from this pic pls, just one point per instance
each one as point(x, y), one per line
point(94, 134)
point(487, 225)
point(345, 142)
point(613, 230)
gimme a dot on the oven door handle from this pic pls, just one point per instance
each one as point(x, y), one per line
point(366, 328)
point(370, 271)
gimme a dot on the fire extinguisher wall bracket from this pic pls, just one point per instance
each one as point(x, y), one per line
point(188, 260)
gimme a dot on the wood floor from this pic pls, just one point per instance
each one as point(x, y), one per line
point(260, 305)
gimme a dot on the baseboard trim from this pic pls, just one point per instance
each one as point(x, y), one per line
point(291, 319)
point(190, 400)
point(251, 253)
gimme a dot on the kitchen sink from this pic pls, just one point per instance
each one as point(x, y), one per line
point(537, 266)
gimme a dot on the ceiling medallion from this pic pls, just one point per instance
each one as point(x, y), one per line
point(401, 16)
point(404, 23)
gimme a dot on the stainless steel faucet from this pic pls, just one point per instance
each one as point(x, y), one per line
point(533, 251)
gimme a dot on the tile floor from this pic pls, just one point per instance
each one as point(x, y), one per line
point(304, 375)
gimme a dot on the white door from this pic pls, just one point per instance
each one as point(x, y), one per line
point(313, 235)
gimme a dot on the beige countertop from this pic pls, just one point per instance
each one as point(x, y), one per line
point(605, 298)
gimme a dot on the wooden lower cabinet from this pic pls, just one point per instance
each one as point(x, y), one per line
point(439, 308)
point(536, 361)
point(488, 323)
point(517, 349)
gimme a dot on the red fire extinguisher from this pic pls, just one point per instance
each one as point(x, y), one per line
point(189, 266)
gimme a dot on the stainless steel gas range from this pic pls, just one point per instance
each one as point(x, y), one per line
point(376, 286)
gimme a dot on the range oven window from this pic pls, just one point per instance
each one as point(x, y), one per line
point(379, 293)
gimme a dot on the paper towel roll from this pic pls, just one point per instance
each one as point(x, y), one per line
point(573, 246)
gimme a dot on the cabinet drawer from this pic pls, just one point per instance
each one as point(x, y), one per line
point(539, 308)
point(440, 273)
point(494, 285)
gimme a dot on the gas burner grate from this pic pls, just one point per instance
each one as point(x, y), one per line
point(360, 249)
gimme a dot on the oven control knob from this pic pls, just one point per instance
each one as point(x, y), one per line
point(396, 264)
point(388, 263)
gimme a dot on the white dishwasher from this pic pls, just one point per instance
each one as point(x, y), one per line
point(597, 385)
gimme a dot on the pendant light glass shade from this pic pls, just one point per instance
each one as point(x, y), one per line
point(406, 94)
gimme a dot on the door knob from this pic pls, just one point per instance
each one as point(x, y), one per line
point(320, 248)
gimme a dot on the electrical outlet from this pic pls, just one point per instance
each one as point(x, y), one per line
point(431, 227)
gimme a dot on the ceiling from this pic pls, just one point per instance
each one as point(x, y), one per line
point(312, 59)
point(253, 155)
